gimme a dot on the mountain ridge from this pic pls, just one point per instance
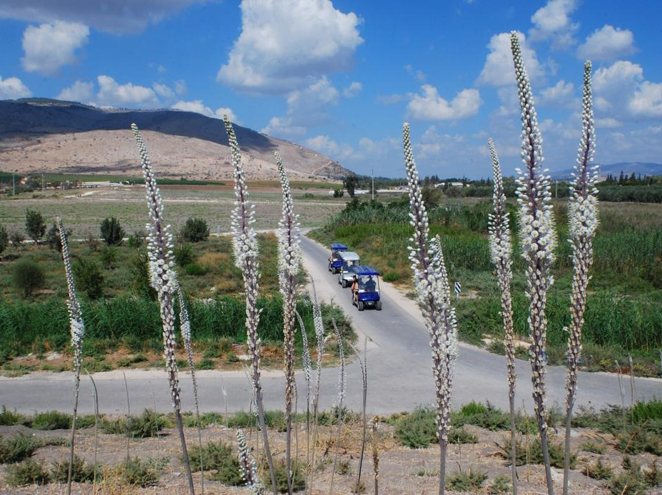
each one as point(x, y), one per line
point(36, 135)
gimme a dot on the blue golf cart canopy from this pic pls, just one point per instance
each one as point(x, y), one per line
point(336, 246)
point(365, 270)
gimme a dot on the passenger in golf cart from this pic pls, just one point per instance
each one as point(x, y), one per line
point(334, 259)
point(348, 260)
point(365, 288)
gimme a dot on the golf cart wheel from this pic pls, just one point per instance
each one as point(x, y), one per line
point(361, 306)
point(378, 305)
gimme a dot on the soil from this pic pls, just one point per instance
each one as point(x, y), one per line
point(401, 470)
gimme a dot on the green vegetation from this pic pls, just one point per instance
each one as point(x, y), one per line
point(624, 310)
point(34, 225)
point(27, 276)
point(219, 460)
point(466, 481)
point(111, 231)
point(195, 230)
point(28, 472)
point(139, 472)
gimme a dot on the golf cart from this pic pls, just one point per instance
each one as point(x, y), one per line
point(334, 259)
point(365, 288)
point(348, 259)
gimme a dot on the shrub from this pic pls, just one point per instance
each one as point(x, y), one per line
point(136, 240)
point(111, 231)
point(27, 276)
point(148, 424)
point(470, 481)
point(53, 238)
point(195, 230)
point(16, 239)
point(298, 480)
point(598, 471)
point(4, 238)
point(8, 418)
point(140, 279)
point(418, 429)
point(184, 255)
point(485, 416)
point(531, 453)
point(108, 256)
point(195, 270)
point(140, 473)
point(89, 278)
point(501, 484)
point(34, 225)
point(81, 472)
point(220, 458)
point(338, 192)
point(28, 472)
point(15, 449)
point(460, 436)
point(51, 420)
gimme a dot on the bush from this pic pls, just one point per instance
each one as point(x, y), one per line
point(15, 449)
point(8, 418)
point(53, 238)
point(4, 238)
point(140, 473)
point(28, 472)
point(16, 239)
point(218, 458)
point(298, 480)
point(140, 279)
point(148, 424)
point(34, 225)
point(460, 436)
point(81, 472)
point(51, 420)
point(195, 270)
point(184, 255)
point(418, 429)
point(485, 416)
point(195, 230)
point(89, 278)
point(111, 231)
point(470, 481)
point(136, 240)
point(108, 256)
point(27, 276)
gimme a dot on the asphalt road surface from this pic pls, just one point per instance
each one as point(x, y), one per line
point(398, 364)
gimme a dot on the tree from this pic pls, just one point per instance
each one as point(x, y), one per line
point(27, 276)
point(53, 238)
point(111, 231)
point(195, 230)
point(4, 239)
point(34, 225)
point(89, 278)
point(350, 182)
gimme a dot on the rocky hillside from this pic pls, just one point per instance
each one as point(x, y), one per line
point(42, 135)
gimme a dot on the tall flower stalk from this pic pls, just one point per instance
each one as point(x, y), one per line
point(77, 330)
point(583, 221)
point(289, 259)
point(538, 240)
point(501, 255)
point(245, 257)
point(185, 330)
point(248, 466)
point(164, 280)
point(434, 300)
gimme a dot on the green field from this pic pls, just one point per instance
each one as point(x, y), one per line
point(624, 313)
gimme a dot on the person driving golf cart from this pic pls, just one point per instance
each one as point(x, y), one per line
point(335, 263)
point(365, 288)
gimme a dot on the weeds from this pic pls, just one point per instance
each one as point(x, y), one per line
point(598, 471)
point(530, 452)
point(81, 472)
point(220, 462)
point(461, 436)
point(15, 449)
point(466, 481)
point(139, 472)
point(417, 430)
point(29, 472)
point(51, 420)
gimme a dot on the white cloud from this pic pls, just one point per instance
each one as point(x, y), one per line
point(163, 90)
point(561, 93)
point(553, 22)
point(12, 88)
point(284, 44)
point(305, 108)
point(431, 106)
point(647, 100)
point(390, 99)
point(621, 92)
point(607, 123)
point(113, 94)
point(607, 43)
point(116, 16)
point(49, 47)
point(221, 111)
point(79, 91)
point(498, 69)
point(352, 90)
point(198, 106)
point(327, 146)
point(180, 87)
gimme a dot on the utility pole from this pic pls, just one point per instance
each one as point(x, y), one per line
point(372, 170)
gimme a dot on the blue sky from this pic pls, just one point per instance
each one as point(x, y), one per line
point(341, 77)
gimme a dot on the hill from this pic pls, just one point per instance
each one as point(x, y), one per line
point(43, 135)
point(638, 168)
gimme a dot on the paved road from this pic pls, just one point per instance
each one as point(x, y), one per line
point(399, 371)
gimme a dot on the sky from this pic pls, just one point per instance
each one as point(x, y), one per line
point(342, 76)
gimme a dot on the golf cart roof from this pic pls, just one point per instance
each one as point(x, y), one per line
point(365, 270)
point(336, 246)
point(349, 255)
